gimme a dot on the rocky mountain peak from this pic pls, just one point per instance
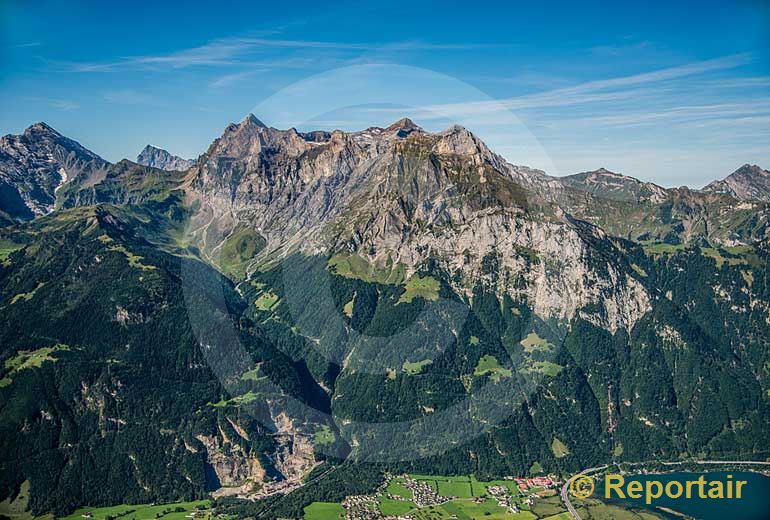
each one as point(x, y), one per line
point(35, 164)
point(252, 120)
point(160, 158)
point(751, 170)
point(749, 182)
point(458, 140)
point(40, 129)
point(403, 127)
point(393, 194)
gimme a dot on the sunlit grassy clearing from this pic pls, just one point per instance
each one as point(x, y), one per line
point(253, 374)
point(558, 448)
point(419, 287)
point(324, 436)
point(489, 365)
point(133, 259)
point(546, 367)
point(359, 268)
point(248, 397)
point(414, 368)
point(720, 259)
point(266, 301)
point(26, 359)
point(6, 248)
point(27, 296)
point(348, 308)
point(238, 250)
point(663, 248)
point(534, 342)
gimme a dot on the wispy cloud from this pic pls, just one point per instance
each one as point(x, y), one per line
point(27, 45)
point(538, 80)
point(652, 86)
point(594, 91)
point(739, 83)
point(686, 113)
point(236, 77)
point(231, 51)
point(622, 49)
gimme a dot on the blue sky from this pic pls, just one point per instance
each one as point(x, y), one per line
point(672, 93)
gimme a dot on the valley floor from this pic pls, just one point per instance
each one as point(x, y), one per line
point(426, 497)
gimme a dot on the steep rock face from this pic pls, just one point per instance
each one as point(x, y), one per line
point(402, 195)
point(160, 158)
point(746, 183)
point(35, 164)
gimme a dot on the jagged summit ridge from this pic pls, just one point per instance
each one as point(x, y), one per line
point(400, 195)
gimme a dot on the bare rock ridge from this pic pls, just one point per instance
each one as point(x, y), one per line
point(160, 158)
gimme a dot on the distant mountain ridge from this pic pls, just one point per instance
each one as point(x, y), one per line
point(611, 185)
point(160, 158)
point(749, 182)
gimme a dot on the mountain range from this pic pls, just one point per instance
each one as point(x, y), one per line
point(390, 276)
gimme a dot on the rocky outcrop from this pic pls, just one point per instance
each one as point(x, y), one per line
point(294, 457)
point(241, 471)
point(238, 471)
